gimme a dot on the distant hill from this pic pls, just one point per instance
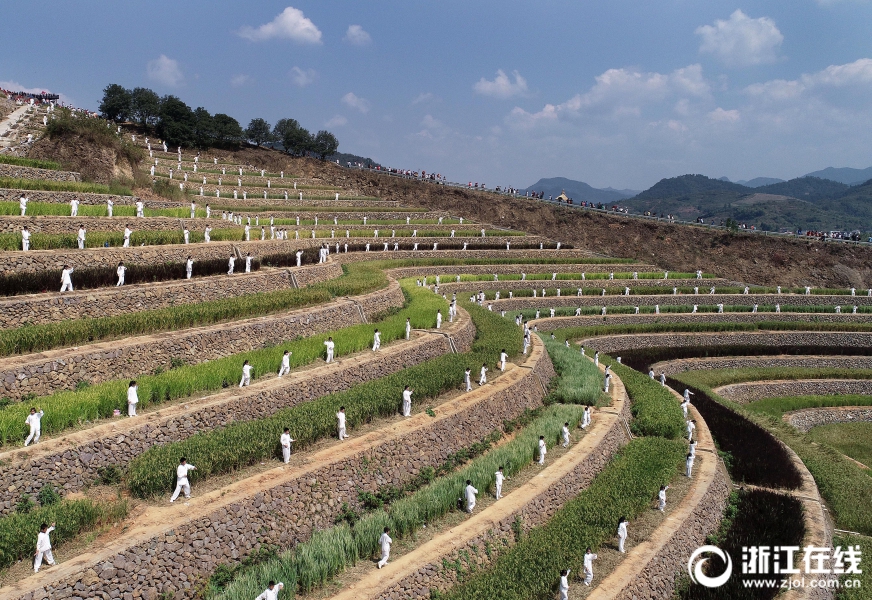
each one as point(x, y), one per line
point(805, 202)
point(578, 190)
point(758, 181)
point(844, 175)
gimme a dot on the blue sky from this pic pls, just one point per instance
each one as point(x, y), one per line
point(614, 93)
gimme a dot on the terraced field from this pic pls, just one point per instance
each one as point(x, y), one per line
point(779, 381)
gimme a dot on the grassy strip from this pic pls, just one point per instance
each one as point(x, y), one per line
point(29, 162)
point(277, 208)
point(655, 410)
point(579, 380)
point(717, 377)
point(99, 239)
point(846, 487)
point(861, 591)
point(590, 311)
point(616, 288)
point(851, 439)
point(73, 517)
point(358, 279)
point(244, 443)
point(63, 186)
point(68, 408)
point(776, 407)
point(753, 518)
point(328, 552)
point(574, 333)
point(567, 276)
point(625, 488)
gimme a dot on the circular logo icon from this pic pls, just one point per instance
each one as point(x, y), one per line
point(695, 570)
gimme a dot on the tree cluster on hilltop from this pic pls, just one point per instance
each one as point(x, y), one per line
point(180, 125)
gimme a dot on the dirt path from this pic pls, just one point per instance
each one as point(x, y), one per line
point(156, 519)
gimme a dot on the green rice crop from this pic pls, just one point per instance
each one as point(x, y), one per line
point(625, 488)
point(62, 186)
point(244, 443)
point(778, 406)
point(99, 239)
point(18, 531)
point(579, 380)
point(717, 377)
point(330, 551)
point(858, 592)
point(29, 162)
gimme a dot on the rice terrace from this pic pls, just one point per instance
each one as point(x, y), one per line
point(240, 362)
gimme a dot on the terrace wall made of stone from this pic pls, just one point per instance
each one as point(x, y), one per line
point(34, 173)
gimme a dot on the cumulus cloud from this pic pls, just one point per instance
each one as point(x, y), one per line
point(741, 41)
point(290, 24)
point(165, 70)
point(502, 86)
point(354, 101)
point(422, 97)
point(719, 115)
point(357, 36)
point(336, 121)
point(857, 73)
point(239, 80)
point(302, 77)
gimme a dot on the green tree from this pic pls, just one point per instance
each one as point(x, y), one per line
point(176, 124)
point(204, 128)
point(144, 106)
point(295, 139)
point(325, 144)
point(115, 105)
point(258, 131)
point(227, 130)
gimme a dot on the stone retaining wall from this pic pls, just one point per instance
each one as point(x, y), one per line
point(758, 390)
point(808, 418)
point(536, 512)
point(174, 561)
point(672, 367)
point(76, 467)
point(20, 172)
point(568, 287)
point(571, 299)
point(514, 269)
point(618, 343)
point(279, 203)
point(39, 260)
point(49, 372)
point(12, 195)
point(548, 324)
point(471, 253)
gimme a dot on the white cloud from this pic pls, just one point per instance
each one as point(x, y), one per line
point(165, 70)
point(357, 35)
point(354, 101)
point(302, 77)
point(857, 73)
point(336, 121)
point(719, 115)
point(741, 41)
point(502, 86)
point(290, 24)
point(240, 80)
point(423, 97)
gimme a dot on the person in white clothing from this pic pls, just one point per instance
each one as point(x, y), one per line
point(230, 263)
point(272, 590)
point(206, 234)
point(564, 584)
point(285, 440)
point(139, 207)
point(589, 557)
point(622, 534)
point(330, 347)
point(565, 432)
point(132, 398)
point(182, 483)
point(286, 363)
point(127, 234)
point(504, 356)
point(340, 423)
point(585, 418)
point(193, 208)
point(189, 267)
point(34, 421)
point(467, 379)
point(688, 464)
point(25, 239)
point(43, 547)
point(438, 319)
point(469, 493)
point(483, 379)
point(408, 328)
point(109, 205)
point(661, 498)
point(22, 204)
point(246, 374)
point(691, 425)
point(663, 378)
point(384, 542)
point(499, 477)
point(543, 450)
point(376, 340)
point(74, 207)
point(80, 237)
point(248, 263)
point(407, 401)
point(120, 271)
point(66, 281)
point(685, 404)
point(607, 382)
